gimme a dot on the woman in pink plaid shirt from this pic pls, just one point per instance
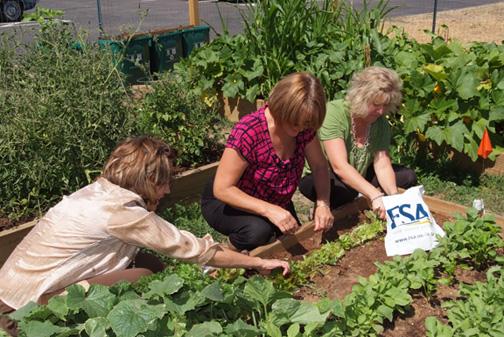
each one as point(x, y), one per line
point(250, 197)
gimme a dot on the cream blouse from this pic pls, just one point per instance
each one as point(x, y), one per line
point(94, 231)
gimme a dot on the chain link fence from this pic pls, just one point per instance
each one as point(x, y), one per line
point(466, 20)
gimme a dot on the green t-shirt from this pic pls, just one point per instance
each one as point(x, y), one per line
point(337, 124)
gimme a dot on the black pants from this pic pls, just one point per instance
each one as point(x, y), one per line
point(342, 193)
point(245, 230)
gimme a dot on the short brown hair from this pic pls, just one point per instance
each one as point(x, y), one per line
point(298, 99)
point(140, 164)
point(374, 83)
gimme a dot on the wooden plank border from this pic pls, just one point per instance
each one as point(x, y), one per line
point(187, 187)
point(284, 243)
point(287, 241)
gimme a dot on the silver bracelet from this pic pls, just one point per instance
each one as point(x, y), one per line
point(378, 196)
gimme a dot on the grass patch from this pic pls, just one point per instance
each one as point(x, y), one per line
point(188, 217)
point(486, 187)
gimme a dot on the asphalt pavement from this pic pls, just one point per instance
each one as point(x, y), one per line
point(143, 15)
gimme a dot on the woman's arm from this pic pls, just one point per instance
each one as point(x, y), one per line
point(338, 159)
point(229, 172)
point(384, 172)
point(320, 171)
point(226, 258)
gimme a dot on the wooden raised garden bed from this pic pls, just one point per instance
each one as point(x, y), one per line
point(443, 209)
point(187, 187)
point(335, 280)
point(235, 108)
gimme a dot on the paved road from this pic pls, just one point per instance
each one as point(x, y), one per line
point(144, 15)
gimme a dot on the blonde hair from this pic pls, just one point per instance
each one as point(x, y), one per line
point(140, 164)
point(298, 99)
point(372, 85)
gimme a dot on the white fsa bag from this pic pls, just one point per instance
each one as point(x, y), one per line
point(410, 225)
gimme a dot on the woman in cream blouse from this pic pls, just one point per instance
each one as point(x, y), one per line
point(93, 234)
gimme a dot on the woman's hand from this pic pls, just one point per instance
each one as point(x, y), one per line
point(270, 264)
point(323, 217)
point(283, 219)
point(378, 207)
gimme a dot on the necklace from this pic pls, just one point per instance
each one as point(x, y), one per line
point(360, 141)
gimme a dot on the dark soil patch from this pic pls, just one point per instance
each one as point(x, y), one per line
point(6, 223)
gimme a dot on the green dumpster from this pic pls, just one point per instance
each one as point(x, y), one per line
point(133, 55)
point(194, 37)
point(166, 49)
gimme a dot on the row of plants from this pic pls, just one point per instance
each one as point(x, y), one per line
point(64, 106)
point(183, 304)
point(480, 313)
point(452, 93)
point(329, 253)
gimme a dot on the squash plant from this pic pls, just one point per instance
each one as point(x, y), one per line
point(284, 36)
point(452, 93)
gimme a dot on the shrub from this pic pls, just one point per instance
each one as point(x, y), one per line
point(62, 110)
point(179, 116)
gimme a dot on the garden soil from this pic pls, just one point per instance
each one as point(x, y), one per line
point(335, 282)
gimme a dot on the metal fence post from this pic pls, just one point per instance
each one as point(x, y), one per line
point(434, 14)
point(100, 18)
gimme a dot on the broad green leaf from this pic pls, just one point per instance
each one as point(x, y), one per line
point(283, 310)
point(442, 104)
point(440, 49)
point(242, 329)
point(271, 329)
point(479, 126)
point(455, 135)
point(97, 327)
point(417, 122)
point(213, 292)
point(252, 92)
point(20, 314)
point(500, 85)
point(436, 134)
point(189, 301)
point(259, 289)
point(308, 313)
point(496, 114)
point(76, 297)
point(467, 84)
point(168, 286)
point(256, 71)
point(129, 318)
point(386, 312)
point(338, 310)
point(207, 329)
point(40, 329)
point(435, 70)
point(58, 306)
point(99, 301)
point(498, 97)
point(293, 330)
point(407, 60)
point(231, 89)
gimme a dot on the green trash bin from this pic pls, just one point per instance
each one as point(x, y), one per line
point(194, 37)
point(166, 49)
point(133, 55)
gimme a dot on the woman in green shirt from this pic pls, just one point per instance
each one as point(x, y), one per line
point(356, 138)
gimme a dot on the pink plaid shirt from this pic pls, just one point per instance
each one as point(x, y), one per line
point(267, 177)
